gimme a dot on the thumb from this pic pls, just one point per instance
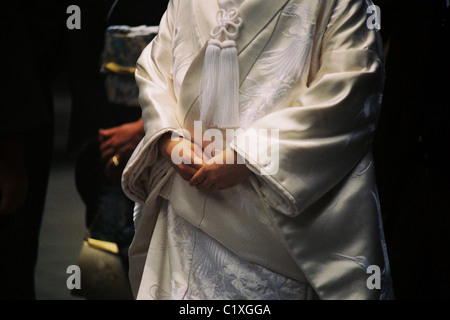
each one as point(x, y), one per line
point(106, 133)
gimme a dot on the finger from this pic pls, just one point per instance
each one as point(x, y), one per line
point(186, 171)
point(188, 158)
point(198, 178)
point(186, 176)
point(124, 155)
point(107, 143)
point(107, 132)
point(196, 161)
point(102, 136)
point(112, 169)
point(207, 184)
point(198, 151)
point(107, 155)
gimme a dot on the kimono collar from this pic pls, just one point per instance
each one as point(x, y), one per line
point(227, 4)
point(255, 15)
point(219, 102)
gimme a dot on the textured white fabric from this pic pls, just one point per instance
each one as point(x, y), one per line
point(320, 203)
point(201, 268)
point(226, 4)
point(220, 76)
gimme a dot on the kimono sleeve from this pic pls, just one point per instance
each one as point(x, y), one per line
point(158, 102)
point(330, 125)
point(154, 78)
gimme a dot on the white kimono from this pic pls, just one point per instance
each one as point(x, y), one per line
point(310, 69)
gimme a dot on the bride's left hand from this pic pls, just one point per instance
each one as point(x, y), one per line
point(220, 172)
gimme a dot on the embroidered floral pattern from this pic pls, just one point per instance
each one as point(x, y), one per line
point(280, 67)
point(213, 272)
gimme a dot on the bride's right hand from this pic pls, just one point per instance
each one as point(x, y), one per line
point(184, 156)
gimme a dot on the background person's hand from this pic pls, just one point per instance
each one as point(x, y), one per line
point(117, 145)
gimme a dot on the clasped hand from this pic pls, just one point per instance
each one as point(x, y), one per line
point(119, 142)
point(219, 172)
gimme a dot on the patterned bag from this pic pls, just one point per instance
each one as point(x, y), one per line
point(123, 46)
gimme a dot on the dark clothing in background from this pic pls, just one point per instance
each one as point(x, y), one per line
point(37, 45)
point(109, 212)
point(19, 232)
point(33, 39)
point(412, 147)
point(90, 108)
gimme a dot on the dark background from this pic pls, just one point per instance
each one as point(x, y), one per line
point(411, 146)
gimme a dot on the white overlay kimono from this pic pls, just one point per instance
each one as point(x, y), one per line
point(313, 71)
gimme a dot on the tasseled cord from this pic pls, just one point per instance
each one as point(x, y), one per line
point(219, 103)
point(211, 68)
